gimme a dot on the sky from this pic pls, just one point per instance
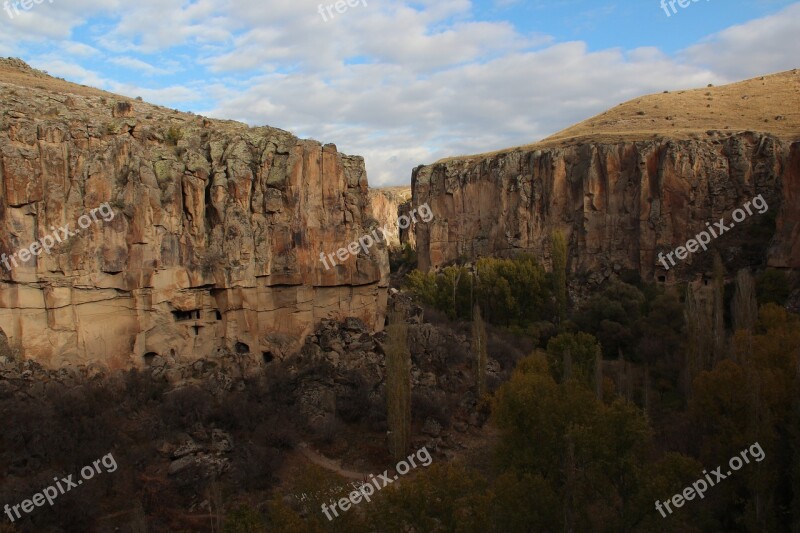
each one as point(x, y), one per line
point(402, 83)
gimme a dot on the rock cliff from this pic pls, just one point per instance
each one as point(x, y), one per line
point(214, 244)
point(624, 186)
point(385, 207)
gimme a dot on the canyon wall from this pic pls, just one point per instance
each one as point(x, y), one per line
point(215, 240)
point(385, 205)
point(618, 204)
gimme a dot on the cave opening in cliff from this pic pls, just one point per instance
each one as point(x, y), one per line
point(181, 316)
point(268, 357)
point(148, 358)
point(242, 348)
point(217, 314)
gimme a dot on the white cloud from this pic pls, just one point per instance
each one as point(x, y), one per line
point(137, 64)
point(74, 48)
point(56, 66)
point(399, 82)
point(166, 96)
point(515, 99)
point(762, 46)
point(435, 90)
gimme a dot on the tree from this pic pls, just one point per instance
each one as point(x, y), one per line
point(772, 286)
point(244, 520)
point(216, 505)
point(598, 374)
point(511, 292)
point(441, 497)
point(479, 349)
point(398, 385)
point(590, 456)
point(559, 258)
point(718, 315)
point(573, 355)
point(744, 307)
point(610, 315)
point(753, 400)
point(422, 285)
point(698, 319)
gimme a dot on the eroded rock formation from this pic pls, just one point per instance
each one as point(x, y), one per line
point(641, 178)
point(215, 242)
point(617, 204)
point(386, 204)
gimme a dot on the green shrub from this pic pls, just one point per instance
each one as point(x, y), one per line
point(174, 134)
point(511, 292)
point(244, 520)
point(772, 286)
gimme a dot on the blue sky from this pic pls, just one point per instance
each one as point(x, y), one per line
point(403, 83)
point(627, 24)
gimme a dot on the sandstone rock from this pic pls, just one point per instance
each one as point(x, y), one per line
point(221, 441)
point(617, 204)
point(355, 325)
point(215, 239)
point(187, 447)
point(432, 428)
point(220, 382)
point(179, 465)
point(385, 207)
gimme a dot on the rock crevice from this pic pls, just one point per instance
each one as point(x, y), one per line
point(211, 218)
point(618, 203)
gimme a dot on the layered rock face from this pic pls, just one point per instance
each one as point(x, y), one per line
point(617, 203)
point(386, 205)
point(215, 241)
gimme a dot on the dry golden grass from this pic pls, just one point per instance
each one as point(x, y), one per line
point(16, 75)
point(400, 191)
point(769, 104)
point(15, 72)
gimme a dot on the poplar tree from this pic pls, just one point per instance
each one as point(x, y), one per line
point(744, 307)
point(398, 385)
point(559, 257)
point(598, 373)
point(479, 348)
point(718, 316)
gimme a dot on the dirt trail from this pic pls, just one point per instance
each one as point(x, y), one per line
point(329, 464)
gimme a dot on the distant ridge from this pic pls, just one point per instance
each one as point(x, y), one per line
point(766, 104)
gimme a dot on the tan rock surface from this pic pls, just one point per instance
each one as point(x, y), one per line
point(214, 245)
point(385, 205)
point(625, 193)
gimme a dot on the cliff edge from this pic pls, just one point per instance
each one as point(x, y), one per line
point(642, 178)
point(215, 237)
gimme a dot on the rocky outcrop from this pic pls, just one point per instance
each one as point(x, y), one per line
point(215, 240)
point(617, 203)
point(385, 206)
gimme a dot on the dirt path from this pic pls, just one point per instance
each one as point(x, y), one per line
point(329, 464)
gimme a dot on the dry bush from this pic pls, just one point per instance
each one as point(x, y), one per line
point(352, 399)
point(185, 407)
point(424, 406)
